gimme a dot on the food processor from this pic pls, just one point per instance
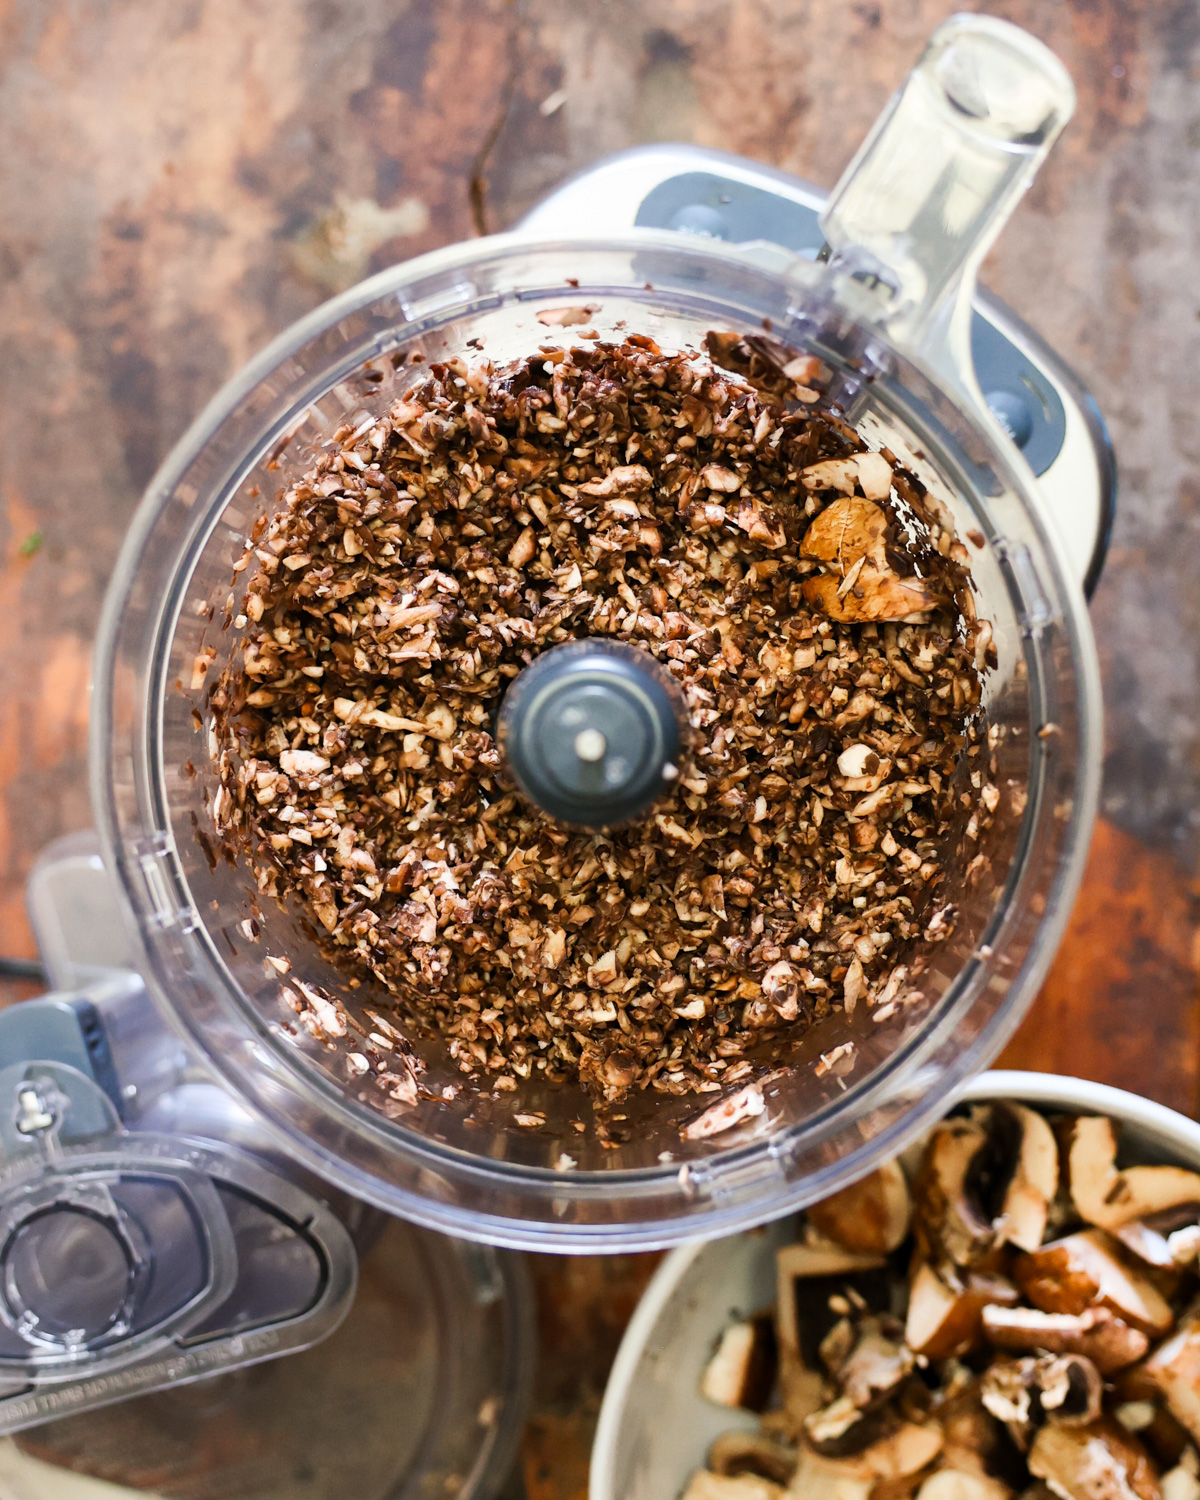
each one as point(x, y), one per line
point(879, 284)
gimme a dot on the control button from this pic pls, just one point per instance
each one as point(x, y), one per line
point(698, 218)
point(1013, 413)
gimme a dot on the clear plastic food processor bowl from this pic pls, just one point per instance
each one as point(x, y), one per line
point(926, 195)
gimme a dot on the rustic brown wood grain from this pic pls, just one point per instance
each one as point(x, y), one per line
point(177, 183)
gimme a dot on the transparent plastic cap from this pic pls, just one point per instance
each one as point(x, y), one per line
point(463, 1164)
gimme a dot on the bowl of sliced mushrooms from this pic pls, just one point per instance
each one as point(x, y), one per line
point(1009, 1310)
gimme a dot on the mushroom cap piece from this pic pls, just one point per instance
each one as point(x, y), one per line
point(986, 1181)
point(1100, 1462)
point(871, 1216)
point(1086, 1270)
point(1175, 1369)
point(955, 1484)
point(755, 1453)
point(708, 1486)
point(1098, 1333)
point(849, 538)
point(945, 1320)
point(1110, 1198)
point(742, 1371)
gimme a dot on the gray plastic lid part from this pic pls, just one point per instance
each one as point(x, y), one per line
point(591, 732)
point(419, 1395)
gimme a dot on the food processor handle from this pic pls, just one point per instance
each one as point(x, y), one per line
point(935, 181)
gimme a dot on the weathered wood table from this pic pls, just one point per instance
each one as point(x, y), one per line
point(179, 182)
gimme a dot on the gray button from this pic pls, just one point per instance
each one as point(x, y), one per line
point(1013, 413)
point(698, 218)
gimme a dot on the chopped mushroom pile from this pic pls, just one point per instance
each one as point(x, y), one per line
point(807, 596)
point(1010, 1311)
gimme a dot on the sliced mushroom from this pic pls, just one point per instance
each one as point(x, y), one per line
point(955, 1484)
point(810, 1274)
point(870, 1216)
point(1100, 1462)
point(912, 1447)
point(735, 1453)
point(706, 1485)
point(1110, 1198)
point(849, 536)
point(1097, 1333)
point(843, 1428)
point(1061, 1388)
point(1085, 1270)
point(818, 1478)
point(945, 1319)
point(948, 1218)
point(1180, 1483)
point(1175, 1369)
point(987, 1181)
point(742, 1372)
point(1034, 1178)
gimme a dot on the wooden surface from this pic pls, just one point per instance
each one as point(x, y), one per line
point(179, 182)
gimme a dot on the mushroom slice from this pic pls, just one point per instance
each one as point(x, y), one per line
point(849, 536)
point(1085, 1270)
point(742, 1371)
point(1180, 1483)
point(708, 1486)
point(819, 1478)
point(1034, 1178)
point(1110, 1198)
point(1062, 1388)
point(1175, 1369)
point(874, 1367)
point(870, 1216)
point(955, 1484)
point(945, 1321)
point(808, 1275)
point(843, 1428)
point(949, 1218)
point(873, 595)
point(735, 1453)
point(1100, 1462)
point(1096, 1332)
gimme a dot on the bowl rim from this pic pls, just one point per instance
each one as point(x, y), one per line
point(1058, 1090)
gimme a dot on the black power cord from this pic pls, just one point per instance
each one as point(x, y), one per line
point(23, 968)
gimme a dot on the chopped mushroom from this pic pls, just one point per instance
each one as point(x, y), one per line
point(976, 1394)
point(1175, 1368)
point(1034, 1178)
point(1110, 1198)
point(819, 1478)
point(1061, 1388)
point(1100, 1462)
point(1085, 1270)
point(828, 1264)
point(849, 535)
point(1096, 1332)
point(949, 1218)
point(871, 1216)
point(735, 1453)
point(708, 1486)
point(954, 1484)
point(742, 1371)
point(945, 1320)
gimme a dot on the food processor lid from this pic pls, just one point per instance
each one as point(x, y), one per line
point(128, 1259)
